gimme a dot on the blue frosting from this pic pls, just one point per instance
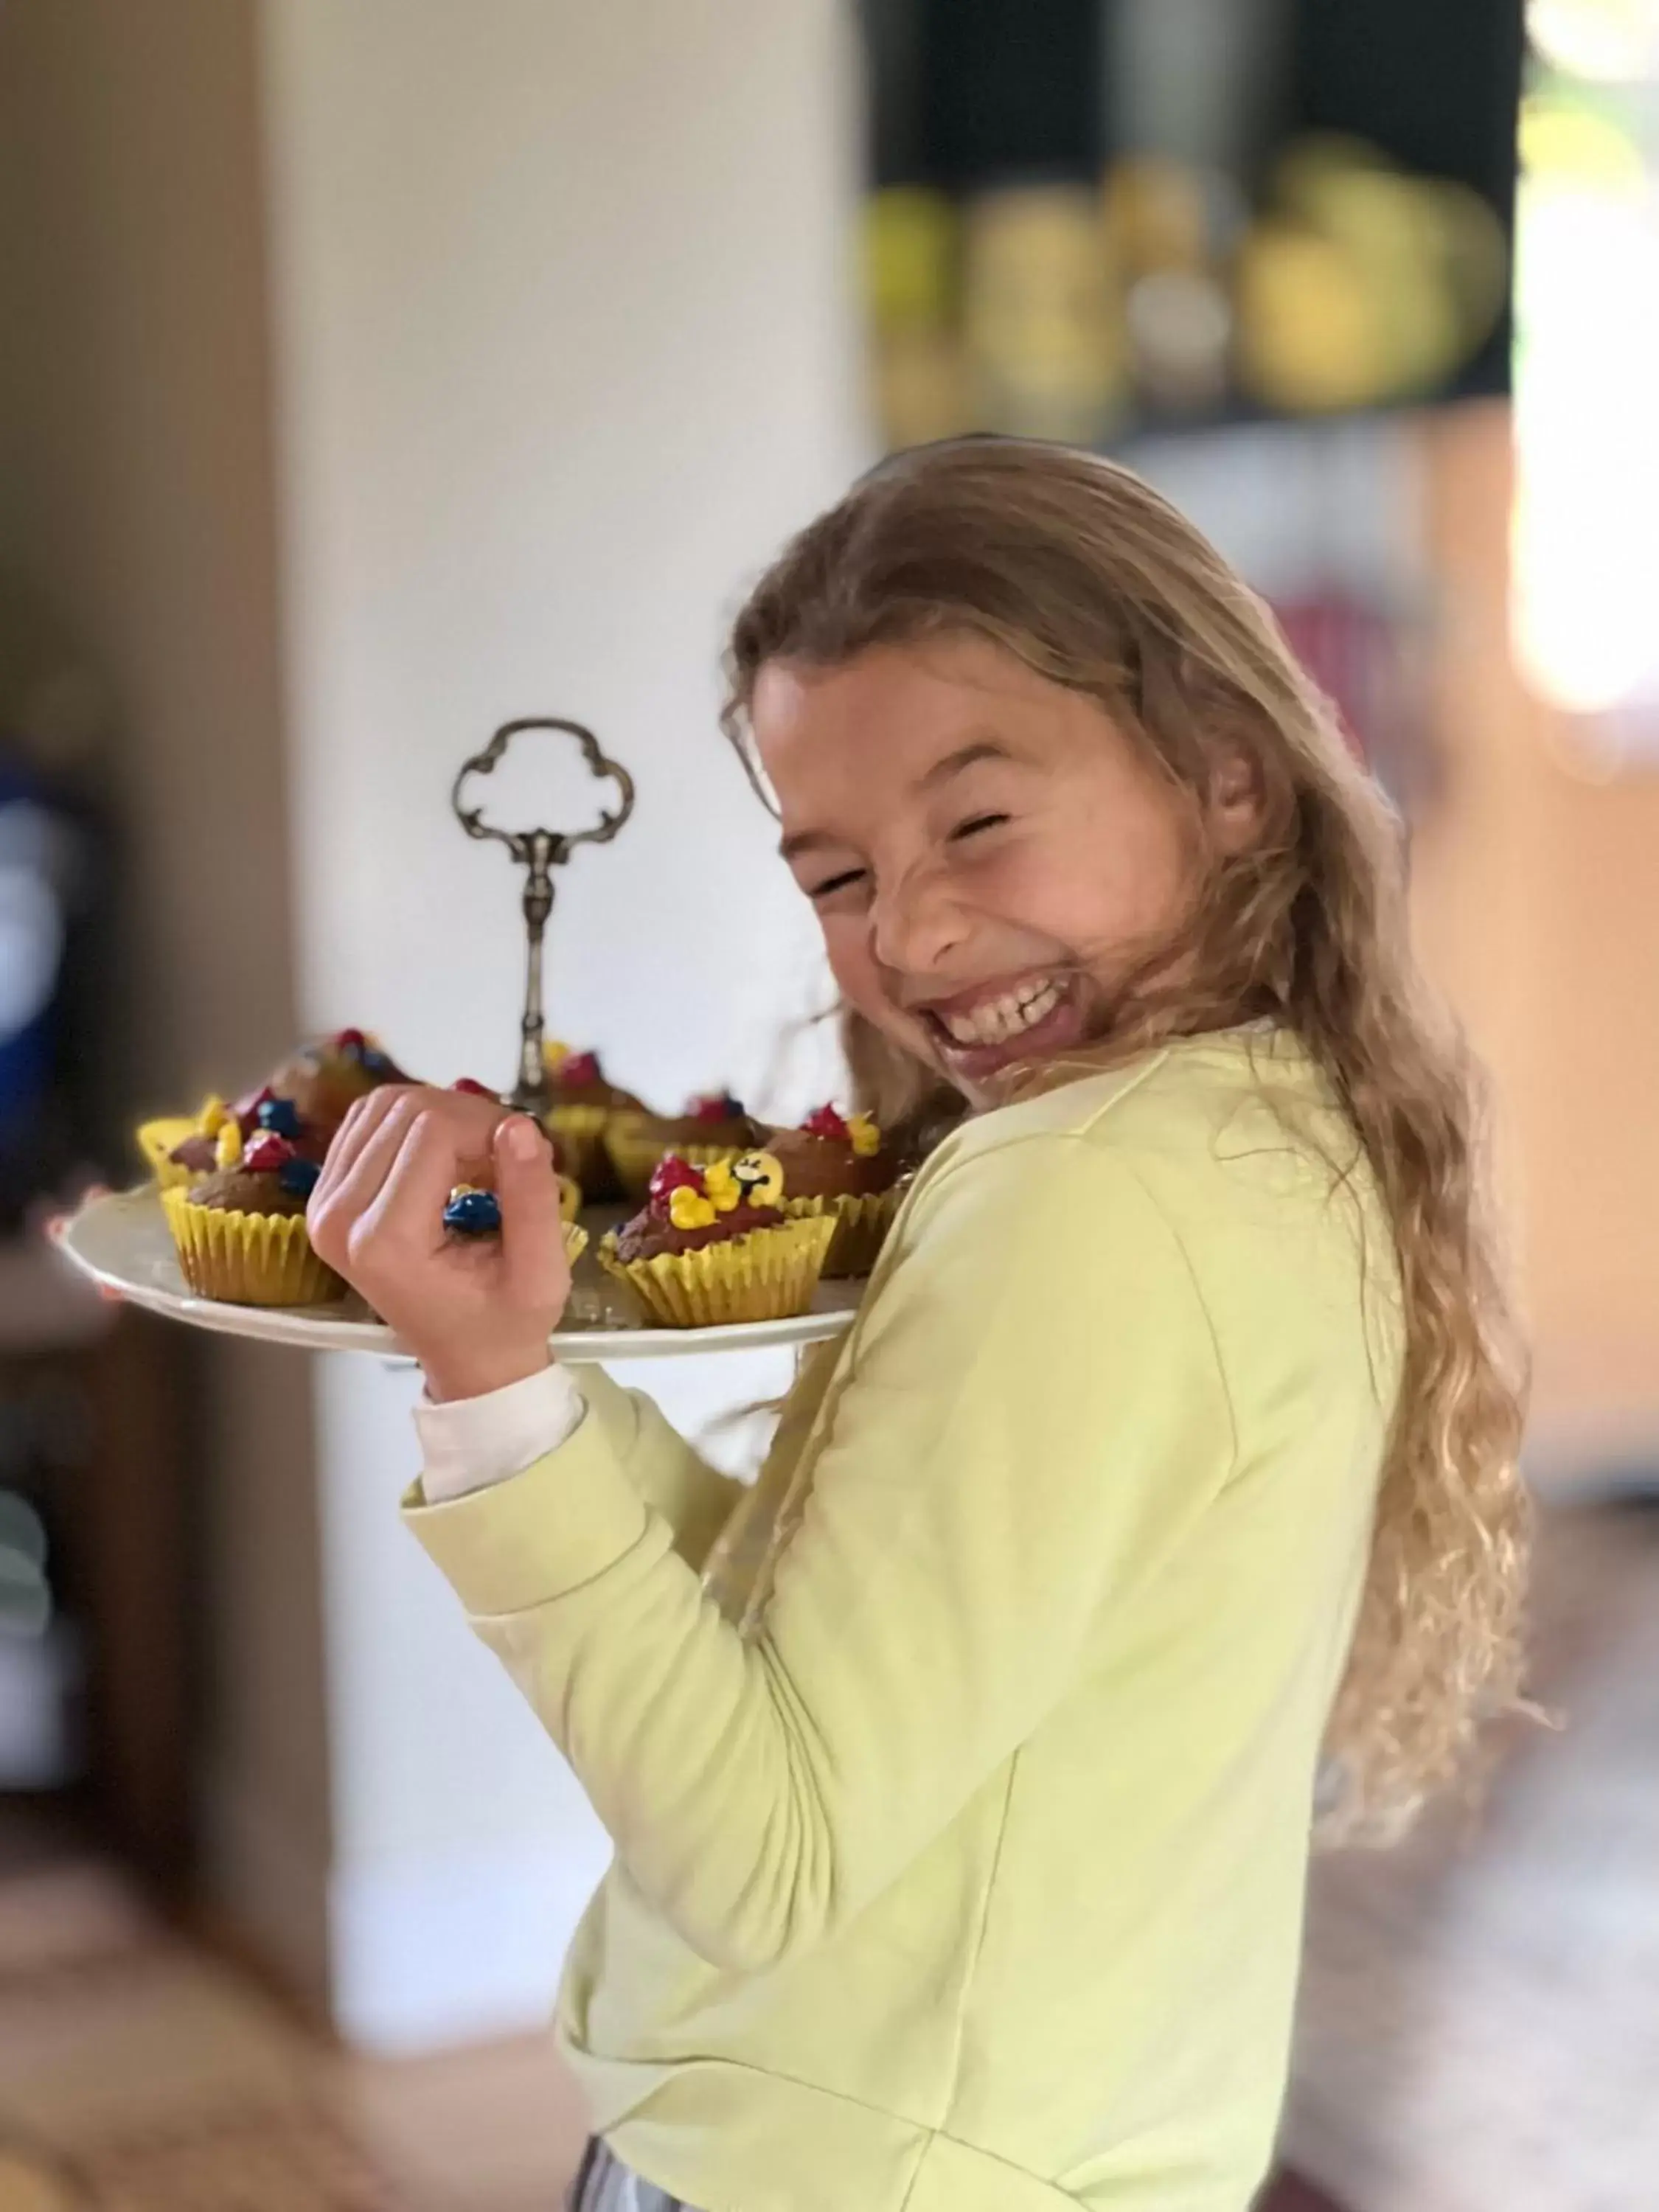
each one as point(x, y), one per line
point(298, 1177)
point(281, 1116)
point(474, 1212)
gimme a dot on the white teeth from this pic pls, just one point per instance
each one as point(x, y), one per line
point(995, 1020)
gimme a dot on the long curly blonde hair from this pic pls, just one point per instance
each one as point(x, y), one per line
point(1097, 583)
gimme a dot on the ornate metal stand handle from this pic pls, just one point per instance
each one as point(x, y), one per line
point(539, 852)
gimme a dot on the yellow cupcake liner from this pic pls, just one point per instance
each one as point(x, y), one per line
point(247, 1259)
point(157, 1138)
point(570, 1199)
point(575, 1242)
point(633, 1143)
point(579, 1134)
point(861, 1224)
point(767, 1275)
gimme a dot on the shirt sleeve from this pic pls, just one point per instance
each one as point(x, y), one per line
point(471, 1444)
point(467, 1444)
point(1032, 1416)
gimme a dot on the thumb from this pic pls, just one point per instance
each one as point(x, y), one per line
point(532, 1240)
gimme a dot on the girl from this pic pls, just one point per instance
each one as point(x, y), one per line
point(961, 1774)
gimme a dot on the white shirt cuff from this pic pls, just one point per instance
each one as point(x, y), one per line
point(467, 1444)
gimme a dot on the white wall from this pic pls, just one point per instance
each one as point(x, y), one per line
point(565, 349)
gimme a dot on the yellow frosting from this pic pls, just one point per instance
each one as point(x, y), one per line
point(865, 1134)
point(689, 1208)
point(721, 1186)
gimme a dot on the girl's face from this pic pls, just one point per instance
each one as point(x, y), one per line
point(988, 855)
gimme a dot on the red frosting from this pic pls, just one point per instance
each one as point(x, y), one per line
point(267, 1152)
point(348, 1041)
point(579, 1069)
point(826, 1122)
point(671, 1174)
point(715, 1106)
point(472, 1089)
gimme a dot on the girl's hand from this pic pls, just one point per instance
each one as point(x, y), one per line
point(475, 1311)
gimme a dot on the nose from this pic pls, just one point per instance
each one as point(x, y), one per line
point(915, 925)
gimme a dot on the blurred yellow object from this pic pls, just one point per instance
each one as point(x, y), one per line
point(1155, 215)
point(1304, 167)
point(1364, 284)
point(1042, 315)
point(911, 247)
point(1307, 341)
point(909, 253)
point(1561, 137)
point(1386, 226)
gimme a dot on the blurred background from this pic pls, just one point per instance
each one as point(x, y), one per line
point(372, 374)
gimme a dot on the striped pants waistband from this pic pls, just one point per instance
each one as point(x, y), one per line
point(605, 2184)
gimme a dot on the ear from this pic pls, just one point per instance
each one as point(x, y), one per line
point(1237, 799)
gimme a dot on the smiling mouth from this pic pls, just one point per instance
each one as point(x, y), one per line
point(980, 1031)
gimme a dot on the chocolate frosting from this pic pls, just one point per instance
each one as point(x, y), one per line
point(650, 1233)
point(829, 1167)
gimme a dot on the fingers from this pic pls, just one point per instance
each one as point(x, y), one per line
point(363, 1117)
point(348, 1186)
point(473, 1118)
point(532, 1235)
point(403, 1219)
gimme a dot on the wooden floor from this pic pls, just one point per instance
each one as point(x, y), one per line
point(151, 2078)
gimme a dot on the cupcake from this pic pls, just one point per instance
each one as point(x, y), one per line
point(241, 1231)
point(716, 1245)
point(323, 1080)
point(183, 1152)
point(583, 1102)
point(713, 1126)
point(181, 1149)
point(838, 1167)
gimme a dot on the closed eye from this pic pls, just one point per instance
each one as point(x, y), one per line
point(831, 884)
point(975, 823)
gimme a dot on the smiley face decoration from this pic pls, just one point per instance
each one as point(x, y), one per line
point(695, 1198)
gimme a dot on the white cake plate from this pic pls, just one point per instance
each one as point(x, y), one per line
point(121, 1241)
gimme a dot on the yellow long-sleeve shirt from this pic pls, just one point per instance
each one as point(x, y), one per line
point(962, 1811)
